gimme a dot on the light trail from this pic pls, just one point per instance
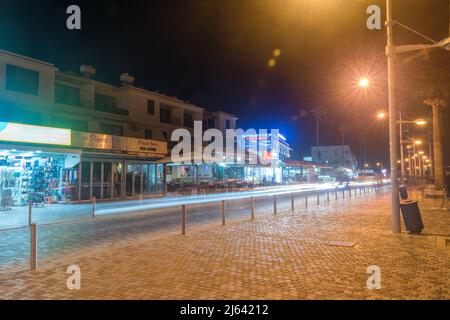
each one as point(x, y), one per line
point(168, 202)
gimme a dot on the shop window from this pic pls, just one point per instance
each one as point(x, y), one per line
point(107, 167)
point(150, 107)
point(137, 170)
point(129, 180)
point(67, 95)
point(28, 177)
point(22, 80)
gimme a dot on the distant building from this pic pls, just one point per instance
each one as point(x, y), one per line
point(336, 156)
point(219, 120)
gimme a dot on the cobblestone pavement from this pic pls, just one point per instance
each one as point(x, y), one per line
point(283, 256)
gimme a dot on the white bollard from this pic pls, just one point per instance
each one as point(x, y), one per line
point(94, 202)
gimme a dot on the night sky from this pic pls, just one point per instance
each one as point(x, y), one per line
point(215, 54)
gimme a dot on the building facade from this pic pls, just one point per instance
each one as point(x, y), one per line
point(336, 156)
point(117, 134)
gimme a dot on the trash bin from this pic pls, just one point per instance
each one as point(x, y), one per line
point(411, 216)
point(403, 192)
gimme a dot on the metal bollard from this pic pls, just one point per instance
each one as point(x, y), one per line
point(252, 201)
point(224, 208)
point(343, 194)
point(350, 193)
point(30, 209)
point(33, 248)
point(318, 198)
point(183, 219)
point(360, 192)
point(355, 191)
point(292, 202)
point(94, 202)
point(306, 200)
point(328, 196)
point(275, 204)
point(336, 194)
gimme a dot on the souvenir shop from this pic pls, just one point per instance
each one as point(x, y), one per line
point(38, 176)
point(46, 165)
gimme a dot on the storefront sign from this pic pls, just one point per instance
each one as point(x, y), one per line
point(146, 146)
point(92, 140)
point(16, 132)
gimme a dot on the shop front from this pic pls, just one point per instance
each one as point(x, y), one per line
point(115, 167)
point(36, 164)
point(47, 165)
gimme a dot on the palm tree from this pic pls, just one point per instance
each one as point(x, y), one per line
point(435, 83)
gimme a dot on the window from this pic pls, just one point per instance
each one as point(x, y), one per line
point(227, 124)
point(148, 134)
point(67, 95)
point(188, 120)
point(112, 129)
point(211, 123)
point(104, 102)
point(165, 114)
point(22, 80)
point(108, 104)
point(150, 107)
point(165, 135)
point(78, 125)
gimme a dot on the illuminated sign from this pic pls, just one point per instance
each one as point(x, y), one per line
point(16, 132)
point(146, 146)
point(92, 140)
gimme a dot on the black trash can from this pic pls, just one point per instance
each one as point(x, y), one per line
point(403, 192)
point(411, 216)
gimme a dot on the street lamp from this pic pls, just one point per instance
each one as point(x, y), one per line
point(381, 115)
point(419, 122)
point(363, 82)
point(391, 52)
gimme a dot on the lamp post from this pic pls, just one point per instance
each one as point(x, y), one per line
point(401, 122)
point(391, 52)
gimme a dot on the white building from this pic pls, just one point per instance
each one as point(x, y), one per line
point(116, 134)
point(337, 156)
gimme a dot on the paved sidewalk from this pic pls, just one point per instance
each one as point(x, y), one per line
point(286, 256)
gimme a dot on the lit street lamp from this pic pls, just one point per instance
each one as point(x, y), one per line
point(391, 51)
point(419, 122)
point(363, 83)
